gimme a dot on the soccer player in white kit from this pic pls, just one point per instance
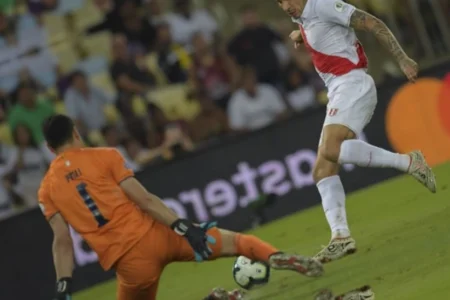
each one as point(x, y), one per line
point(326, 28)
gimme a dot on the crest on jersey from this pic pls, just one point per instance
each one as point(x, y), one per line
point(332, 112)
point(339, 6)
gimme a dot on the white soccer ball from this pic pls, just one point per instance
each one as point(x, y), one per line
point(250, 274)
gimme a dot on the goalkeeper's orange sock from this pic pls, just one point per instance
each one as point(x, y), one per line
point(252, 247)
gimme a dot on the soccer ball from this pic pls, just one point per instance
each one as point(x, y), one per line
point(250, 274)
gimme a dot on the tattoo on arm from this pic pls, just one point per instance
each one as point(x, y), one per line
point(362, 20)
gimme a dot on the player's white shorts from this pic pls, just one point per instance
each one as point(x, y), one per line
point(352, 102)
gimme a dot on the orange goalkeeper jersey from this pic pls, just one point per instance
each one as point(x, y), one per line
point(83, 186)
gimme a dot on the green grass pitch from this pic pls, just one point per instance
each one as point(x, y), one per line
point(402, 233)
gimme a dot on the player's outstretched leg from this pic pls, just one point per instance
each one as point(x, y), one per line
point(364, 293)
point(230, 243)
point(363, 154)
point(252, 247)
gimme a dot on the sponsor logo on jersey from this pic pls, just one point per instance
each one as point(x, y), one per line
point(339, 6)
point(332, 112)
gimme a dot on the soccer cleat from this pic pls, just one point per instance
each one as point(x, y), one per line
point(222, 294)
point(420, 170)
point(338, 248)
point(364, 293)
point(305, 265)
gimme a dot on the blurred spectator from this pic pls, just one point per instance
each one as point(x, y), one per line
point(5, 197)
point(26, 165)
point(132, 79)
point(211, 71)
point(105, 6)
point(86, 104)
point(300, 95)
point(39, 7)
point(255, 45)
point(172, 134)
point(124, 18)
point(173, 60)
point(7, 6)
point(255, 105)
point(4, 105)
point(42, 66)
point(113, 139)
point(185, 21)
point(139, 155)
point(6, 30)
point(129, 77)
point(30, 112)
point(24, 48)
point(209, 123)
point(154, 11)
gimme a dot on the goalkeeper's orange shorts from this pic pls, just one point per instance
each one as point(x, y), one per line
point(139, 270)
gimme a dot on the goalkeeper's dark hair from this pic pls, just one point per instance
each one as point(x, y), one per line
point(58, 130)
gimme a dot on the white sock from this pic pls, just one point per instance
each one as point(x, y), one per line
point(363, 154)
point(333, 201)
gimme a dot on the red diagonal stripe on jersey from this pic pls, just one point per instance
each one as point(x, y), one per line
point(330, 64)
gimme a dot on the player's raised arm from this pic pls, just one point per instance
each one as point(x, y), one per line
point(362, 20)
point(155, 207)
point(63, 256)
point(148, 202)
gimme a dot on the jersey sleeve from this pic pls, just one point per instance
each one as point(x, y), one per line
point(46, 204)
point(334, 11)
point(118, 166)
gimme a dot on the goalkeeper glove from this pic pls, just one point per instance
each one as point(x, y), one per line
point(64, 289)
point(196, 236)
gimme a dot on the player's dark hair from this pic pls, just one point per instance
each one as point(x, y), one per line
point(58, 130)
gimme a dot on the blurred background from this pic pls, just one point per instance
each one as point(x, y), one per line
point(206, 99)
point(159, 78)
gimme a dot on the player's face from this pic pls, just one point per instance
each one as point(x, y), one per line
point(293, 8)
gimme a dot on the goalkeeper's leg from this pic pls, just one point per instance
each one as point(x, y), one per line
point(230, 244)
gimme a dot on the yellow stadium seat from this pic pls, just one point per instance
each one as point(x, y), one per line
point(5, 134)
point(151, 61)
point(172, 101)
point(112, 114)
point(56, 27)
point(87, 16)
point(51, 92)
point(98, 44)
point(60, 108)
point(139, 106)
point(103, 80)
point(67, 57)
point(96, 138)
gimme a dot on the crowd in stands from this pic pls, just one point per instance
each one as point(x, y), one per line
point(153, 78)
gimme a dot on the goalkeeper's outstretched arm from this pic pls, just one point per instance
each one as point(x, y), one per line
point(63, 256)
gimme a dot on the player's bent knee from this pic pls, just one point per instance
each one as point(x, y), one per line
point(333, 137)
point(324, 168)
point(330, 149)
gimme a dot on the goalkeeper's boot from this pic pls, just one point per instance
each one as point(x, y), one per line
point(222, 294)
point(420, 170)
point(364, 293)
point(305, 265)
point(336, 249)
